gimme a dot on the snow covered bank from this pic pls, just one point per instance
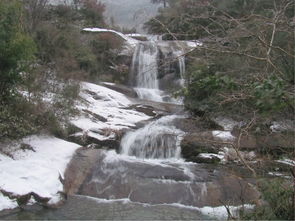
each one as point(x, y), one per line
point(110, 106)
point(35, 171)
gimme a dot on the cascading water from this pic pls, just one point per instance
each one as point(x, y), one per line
point(146, 71)
point(157, 140)
point(145, 68)
point(181, 64)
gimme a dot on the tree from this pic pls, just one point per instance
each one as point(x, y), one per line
point(35, 11)
point(247, 56)
point(17, 48)
point(93, 12)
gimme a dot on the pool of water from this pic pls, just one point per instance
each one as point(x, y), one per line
point(87, 208)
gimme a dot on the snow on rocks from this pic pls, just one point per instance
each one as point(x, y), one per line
point(35, 172)
point(130, 43)
point(287, 161)
point(223, 135)
point(226, 123)
point(286, 125)
point(6, 203)
point(221, 213)
point(106, 104)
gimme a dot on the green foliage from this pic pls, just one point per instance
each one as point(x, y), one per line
point(203, 84)
point(14, 123)
point(17, 48)
point(269, 94)
point(278, 195)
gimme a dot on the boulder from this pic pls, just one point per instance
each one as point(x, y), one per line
point(188, 125)
point(97, 173)
point(207, 158)
point(84, 140)
point(194, 144)
point(146, 109)
point(274, 143)
point(128, 91)
point(79, 168)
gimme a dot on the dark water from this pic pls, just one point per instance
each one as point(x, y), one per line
point(85, 208)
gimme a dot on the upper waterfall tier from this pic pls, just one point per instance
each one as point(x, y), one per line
point(156, 68)
point(145, 65)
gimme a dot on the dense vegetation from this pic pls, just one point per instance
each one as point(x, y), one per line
point(43, 55)
point(246, 63)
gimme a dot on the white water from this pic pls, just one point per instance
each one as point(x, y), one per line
point(157, 140)
point(181, 64)
point(145, 69)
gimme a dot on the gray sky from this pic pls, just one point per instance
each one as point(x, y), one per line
point(130, 13)
point(127, 13)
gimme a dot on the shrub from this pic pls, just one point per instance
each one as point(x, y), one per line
point(278, 195)
point(17, 48)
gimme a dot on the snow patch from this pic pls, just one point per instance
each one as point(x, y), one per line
point(130, 43)
point(279, 126)
point(108, 104)
point(6, 203)
point(287, 161)
point(227, 123)
point(37, 171)
point(223, 135)
point(221, 213)
point(279, 175)
point(211, 155)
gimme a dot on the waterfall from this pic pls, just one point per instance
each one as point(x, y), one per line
point(145, 68)
point(181, 65)
point(157, 140)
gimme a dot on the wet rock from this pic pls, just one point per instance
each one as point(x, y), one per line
point(95, 115)
point(25, 147)
point(114, 177)
point(84, 140)
point(6, 212)
point(277, 143)
point(274, 143)
point(204, 142)
point(194, 144)
point(128, 91)
point(79, 168)
point(201, 158)
point(94, 95)
point(283, 126)
point(22, 200)
point(146, 109)
point(138, 37)
point(189, 125)
point(230, 154)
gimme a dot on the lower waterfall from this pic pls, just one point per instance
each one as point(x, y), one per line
point(157, 140)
